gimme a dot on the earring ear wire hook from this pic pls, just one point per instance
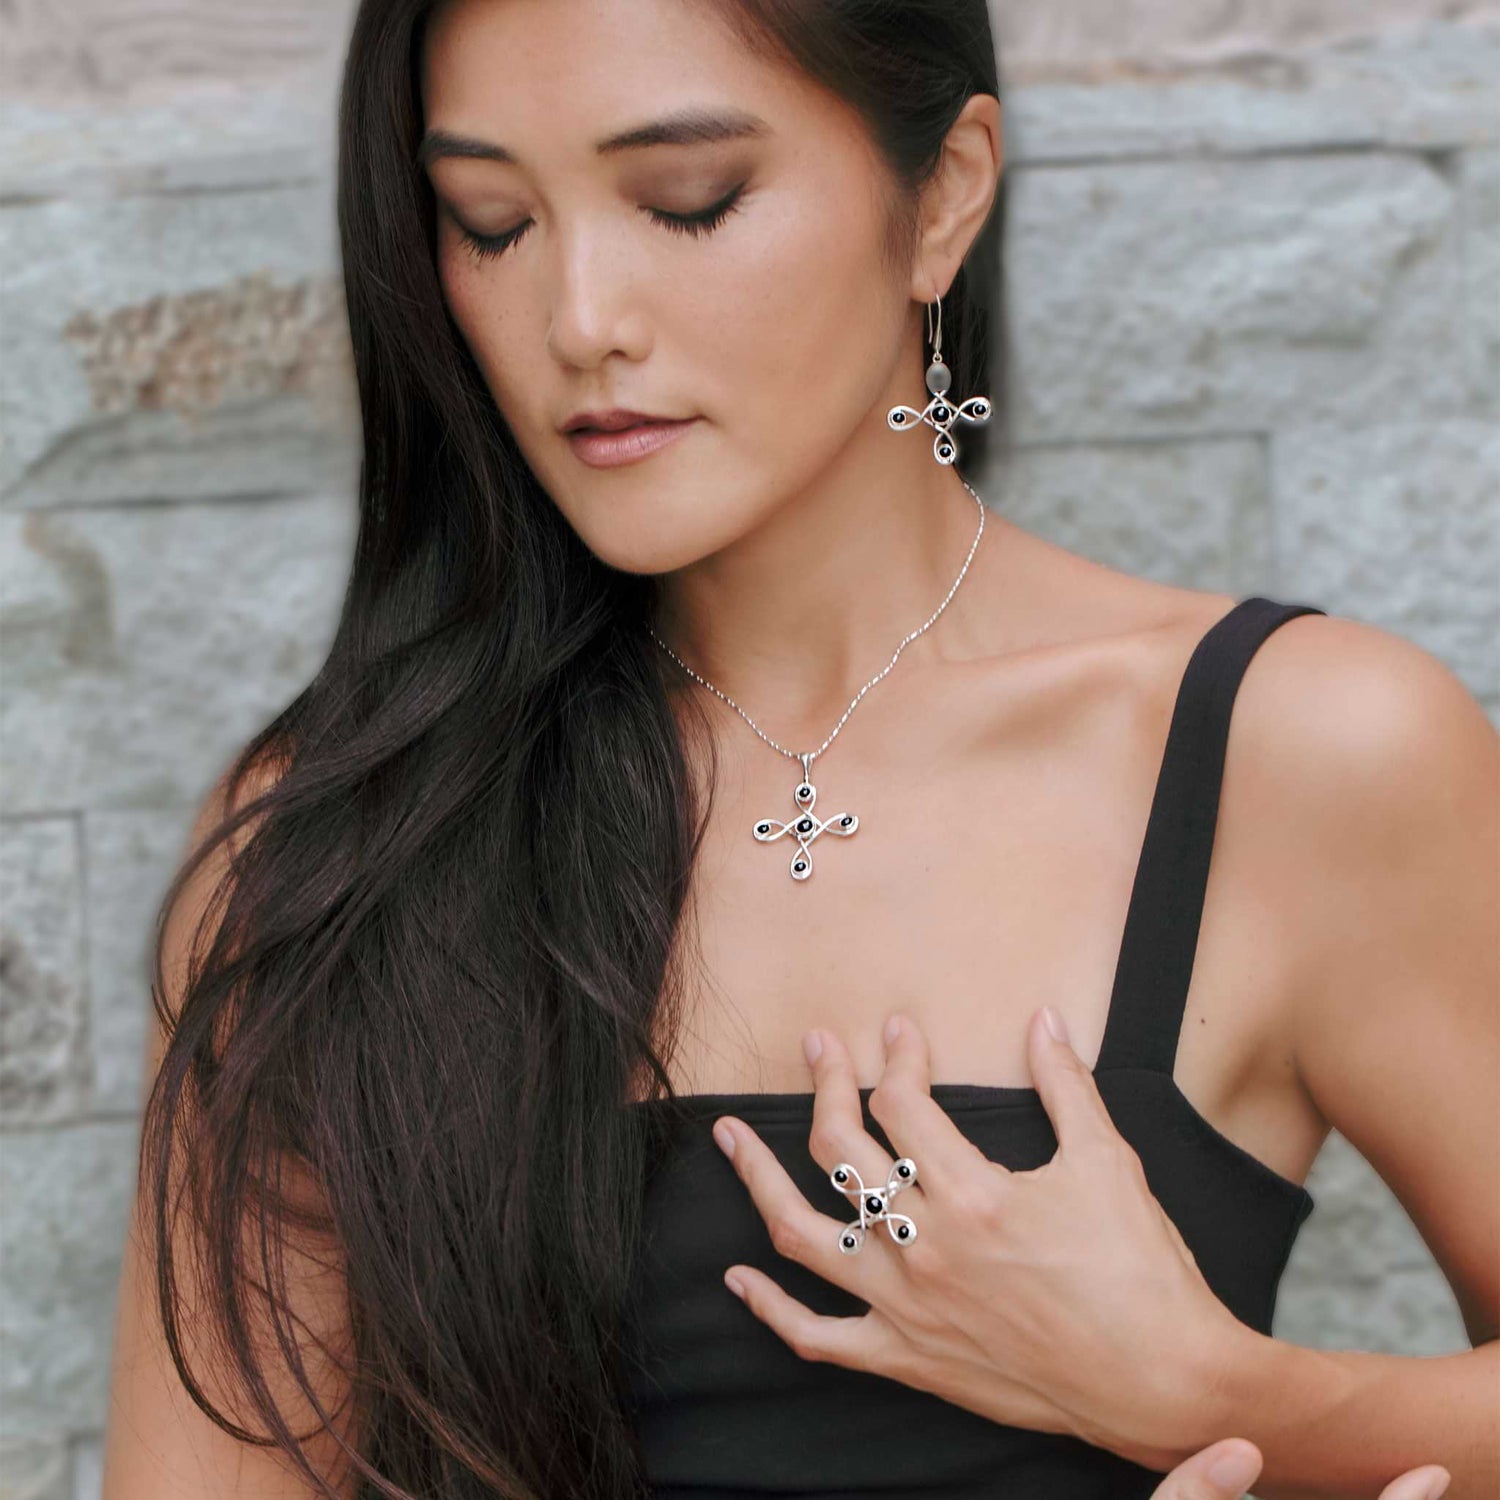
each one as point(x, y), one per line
point(935, 336)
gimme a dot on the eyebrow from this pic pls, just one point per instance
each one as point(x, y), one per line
point(684, 127)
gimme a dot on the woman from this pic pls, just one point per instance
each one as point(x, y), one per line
point(641, 294)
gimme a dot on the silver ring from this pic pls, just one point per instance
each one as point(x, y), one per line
point(874, 1204)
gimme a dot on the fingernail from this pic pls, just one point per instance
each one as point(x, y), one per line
point(1235, 1470)
point(736, 1286)
point(812, 1047)
point(725, 1137)
point(1054, 1023)
point(1439, 1487)
point(892, 1030)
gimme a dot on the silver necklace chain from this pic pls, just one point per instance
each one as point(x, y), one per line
point(807, 757)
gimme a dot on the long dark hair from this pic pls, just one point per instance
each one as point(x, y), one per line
point(447, 943)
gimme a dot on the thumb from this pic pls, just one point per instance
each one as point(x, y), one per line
point(1222, 1471)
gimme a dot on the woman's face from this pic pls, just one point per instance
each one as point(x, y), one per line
point(773, 324)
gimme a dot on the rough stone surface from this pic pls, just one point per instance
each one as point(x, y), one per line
point(1398, 525)
point(129, 48)
point(88, 1468)
point(1481, 188)
point(172, 347)
point(35, 1471)
point(1220, 297)
point(1431, 90)
point(1360, 1276)
point(1187, 513)
point(1097, 37)
point(148, 642)
point(66, 1194)
point(211, 135)
point(43, 1018)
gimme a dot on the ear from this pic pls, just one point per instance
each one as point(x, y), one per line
point(957, 200)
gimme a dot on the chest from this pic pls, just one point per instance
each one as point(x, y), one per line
point(973, 892)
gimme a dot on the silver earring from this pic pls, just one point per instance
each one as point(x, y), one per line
point(940, 412)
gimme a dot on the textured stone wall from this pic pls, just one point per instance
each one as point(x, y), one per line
point(1254, 268)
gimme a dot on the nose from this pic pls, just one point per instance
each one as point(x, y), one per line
point(596, 306)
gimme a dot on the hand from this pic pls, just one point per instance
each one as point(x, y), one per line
point(1197, 1479)
point(1061, 1299)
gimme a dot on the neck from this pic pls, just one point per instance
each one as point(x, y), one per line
point(794, 617)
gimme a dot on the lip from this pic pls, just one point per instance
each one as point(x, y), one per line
point(606, 450)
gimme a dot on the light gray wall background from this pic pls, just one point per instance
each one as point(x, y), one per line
point(1254, 264)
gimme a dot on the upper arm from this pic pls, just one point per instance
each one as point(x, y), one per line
point(159, 1444)
point(1392, 772)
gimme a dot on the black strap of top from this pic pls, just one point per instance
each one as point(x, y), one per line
point(1166, 902)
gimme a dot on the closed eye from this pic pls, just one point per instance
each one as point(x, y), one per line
point(483, 246)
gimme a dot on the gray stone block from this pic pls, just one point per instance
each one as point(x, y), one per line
point(1481, 193)
point(88, 1468)
point(105, 48)
point(1190, 513)
point(1360, 1275)
point(1232, 297)
point(1398, 525)
point(211, 136)
point(131, 857)
point(1431, 88)
point(43, 1016)
point(35, 1471)
point(67, 1194)
point(145, 644)
point(1100, 34)
point(173, 347)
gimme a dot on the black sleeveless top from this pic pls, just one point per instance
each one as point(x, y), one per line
point(725, 1409)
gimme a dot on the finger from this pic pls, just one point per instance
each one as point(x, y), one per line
point(855, 1342)
point(1426, 1483)
point(855, 1161)
point(1068, 1091)
point(838, 1131)
point(798, 1231)
point(1222, 1471)
point(913, 1121)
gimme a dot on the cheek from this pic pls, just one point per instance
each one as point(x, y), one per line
point(803, 329)
point(480, 314)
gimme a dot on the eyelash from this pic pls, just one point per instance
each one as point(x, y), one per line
point(485, 246)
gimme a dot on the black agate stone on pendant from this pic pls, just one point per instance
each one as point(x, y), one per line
point(805, 828)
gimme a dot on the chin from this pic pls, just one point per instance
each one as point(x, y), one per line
point(656, 532)
point(637, 555)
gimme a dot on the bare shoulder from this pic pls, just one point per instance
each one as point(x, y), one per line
point(1364, 756)
point(1373, 776)
point(1347, 710)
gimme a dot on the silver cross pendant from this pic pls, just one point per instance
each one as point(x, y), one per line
point(806, 826)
